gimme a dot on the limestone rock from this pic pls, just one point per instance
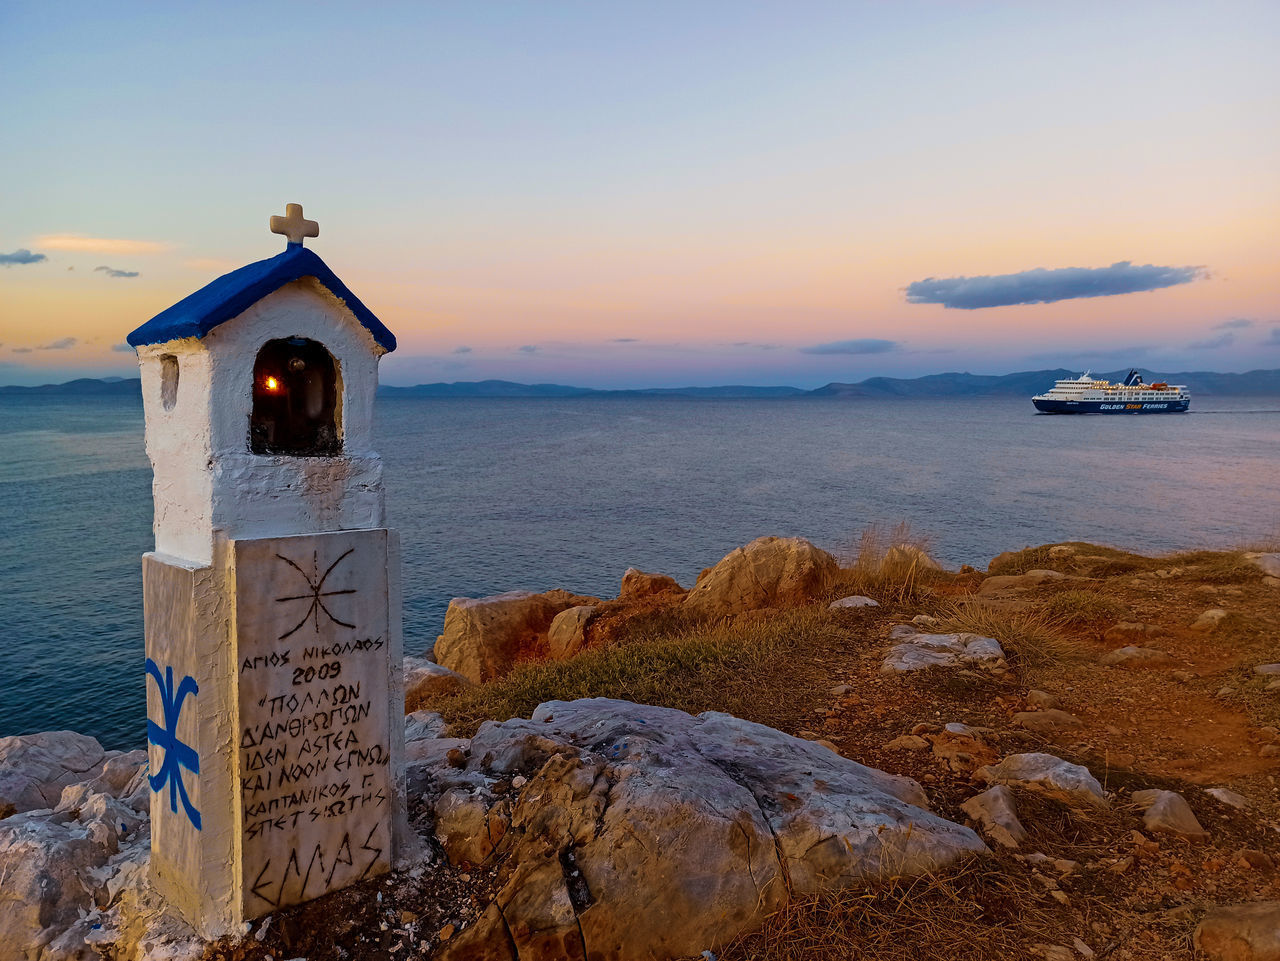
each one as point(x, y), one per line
point(1043, 699)
point(1228, 797)
point(421, 725)
point(628, 807)
point(50, 860)
point(1269, 564)
point(1051, 721)
point(1168, 813)
point(1132, 656)
point(962, 748)
point(1048, 775)
point(995, 810)
point(1240, 932)
point(1267, 669)
point(903, 557)
point(856, 600)
point(568, 632)
point(1017, 582)
point(1209, 620)
point(768, 572)
point(917, 652)
point(424, 679)
point(34, 768)
point(123, 776)
point(639, 584)
point(484, 637)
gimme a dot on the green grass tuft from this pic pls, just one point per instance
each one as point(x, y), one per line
point(714, 667)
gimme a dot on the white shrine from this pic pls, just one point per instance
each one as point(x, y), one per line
point(275, 699)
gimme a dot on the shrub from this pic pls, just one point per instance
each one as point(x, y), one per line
point(1083, 609)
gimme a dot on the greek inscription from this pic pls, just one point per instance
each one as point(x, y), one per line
point(314, 754)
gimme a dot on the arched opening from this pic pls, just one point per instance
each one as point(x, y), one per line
point(295, 400)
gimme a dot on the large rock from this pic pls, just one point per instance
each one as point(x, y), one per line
point(1241, 932)
point(568, 632)
point(485, 637)
point(996, 811)
point(1048, 775)
point(34, 768)
point(636, 583)
point(917, 652)
point(901, 558)
point(1017, 582)
point(768, 572)
point(1167, 812)
point(1209, 620)
point(856, 600)
point(1269, 563)
point(424, 680)
point(644, 832)
point(1134, 656)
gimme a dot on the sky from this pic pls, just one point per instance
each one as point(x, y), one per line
point(658, 194)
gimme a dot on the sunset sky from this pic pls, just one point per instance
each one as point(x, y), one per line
point(658, 194)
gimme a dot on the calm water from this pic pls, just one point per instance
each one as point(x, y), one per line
point(493, 495)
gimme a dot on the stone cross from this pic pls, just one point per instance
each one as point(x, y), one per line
point(293, 225)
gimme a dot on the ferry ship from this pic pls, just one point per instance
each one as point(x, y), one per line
point(1086, 395)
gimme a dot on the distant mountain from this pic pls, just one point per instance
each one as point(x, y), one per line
point(83, 387)
point(1022, 384)
point(505, 388)
point(1029, 383)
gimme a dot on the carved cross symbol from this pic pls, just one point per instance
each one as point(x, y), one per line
point(293, 225)
point(315, 592)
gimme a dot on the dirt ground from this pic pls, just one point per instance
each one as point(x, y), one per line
point(1091, 884)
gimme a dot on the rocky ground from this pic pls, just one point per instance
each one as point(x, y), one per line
point(1071, 755)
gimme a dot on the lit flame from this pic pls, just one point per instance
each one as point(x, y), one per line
point(273, 384)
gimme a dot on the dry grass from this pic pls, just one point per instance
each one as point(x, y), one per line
point(1083, 609)
point(1033, 639)
point(713, 667)
point(889, 564)
point(1217, 567)
point(976, 911)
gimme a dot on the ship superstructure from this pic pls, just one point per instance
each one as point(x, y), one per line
point(1088, 395)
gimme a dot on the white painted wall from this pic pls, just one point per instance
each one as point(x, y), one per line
point(208, 486)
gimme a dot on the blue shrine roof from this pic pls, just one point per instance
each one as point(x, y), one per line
point(232, 294)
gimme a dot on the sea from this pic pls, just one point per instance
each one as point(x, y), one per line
point(492, 495)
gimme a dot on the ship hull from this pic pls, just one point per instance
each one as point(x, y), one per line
point(1046, 406)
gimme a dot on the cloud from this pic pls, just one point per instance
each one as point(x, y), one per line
point(21, 256)
point(1213, 343)
point(1235, 323)
point(62, 343)
point(462, 350)
point(22, 350)
point(529, 349)
point(1273, 339)
point(862, 345)
point(1043, 286)
point(122, 348)
point(100, 245)
point(626, 340)
point(112, 272)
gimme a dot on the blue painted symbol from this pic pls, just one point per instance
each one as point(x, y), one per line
point(176, 754)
